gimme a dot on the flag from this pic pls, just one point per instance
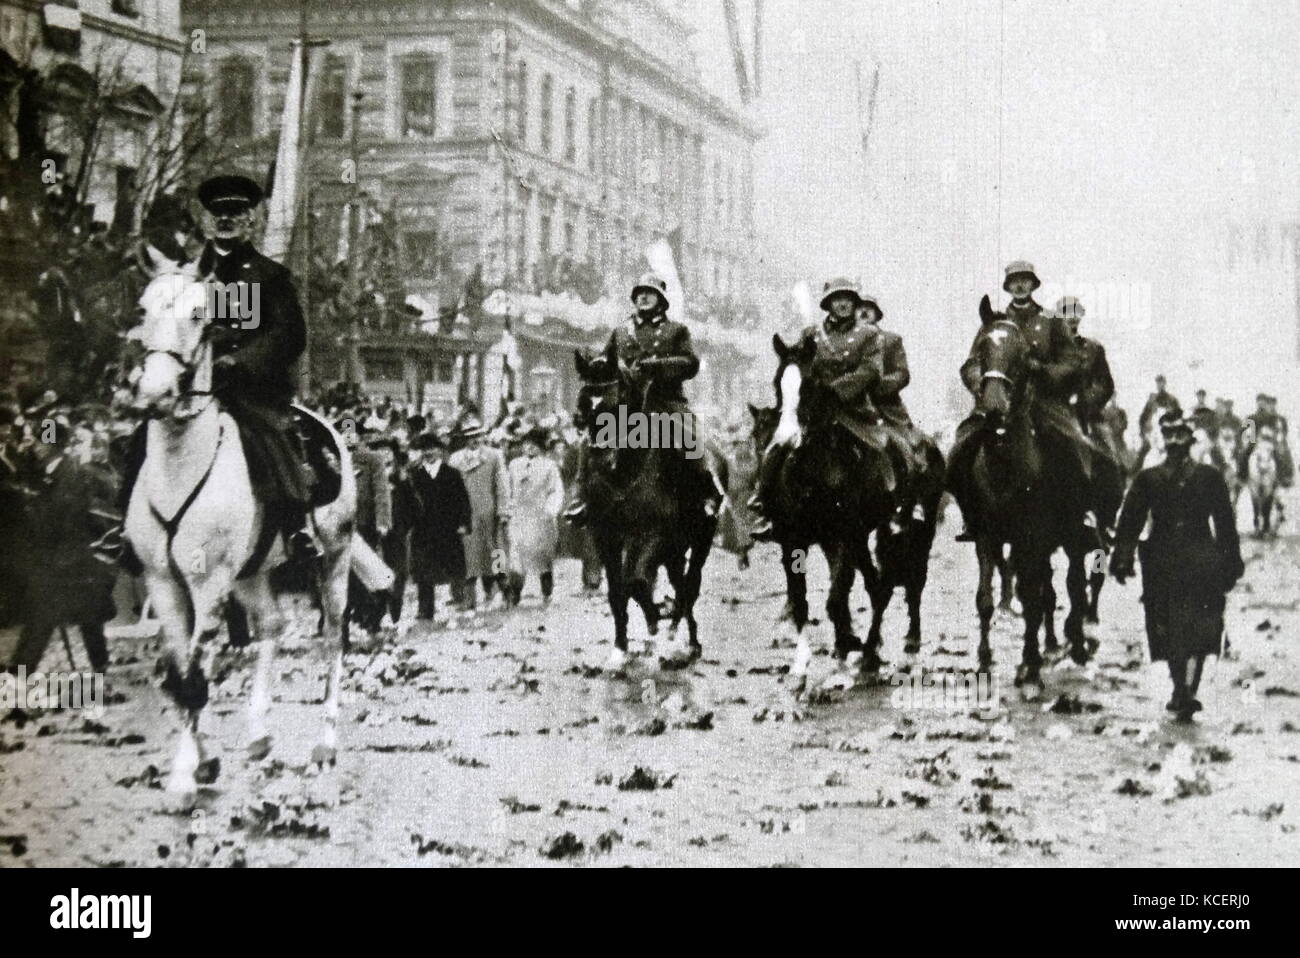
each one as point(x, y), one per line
point(661, 259)
point(284, 197)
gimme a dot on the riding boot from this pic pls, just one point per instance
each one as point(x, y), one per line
point(1178, 675)
point(768, 471)
point(575, 510)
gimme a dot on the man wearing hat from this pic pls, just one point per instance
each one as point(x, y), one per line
point(888, 357)
point(442, 519)
point(1055, 367)
point(254, 357)
point(1203, 416)
point(660, 354)
point(254, 348)
point(1095, 392)
point(483, 470)
point(850, 356)
point(1266, 416)
point(1190, 561)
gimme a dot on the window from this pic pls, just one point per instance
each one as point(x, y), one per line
point(384, 367)
point(235, 98)
point(128, 8)
point(544, 226)
point(523, 104)
point(333, 98)
point(593, 134)
point(421, 252)
point(570, 126)
point(547, 85)
point(418, 97)
point(124, 203)
point(521, 261)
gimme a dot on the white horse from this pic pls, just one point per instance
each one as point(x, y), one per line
point(194, 522)
point(1261, 479)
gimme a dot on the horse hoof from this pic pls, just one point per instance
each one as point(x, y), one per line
point(617, 661)
point(1091, 618)
point(324, 756)
point(259, 748)
point(1079, 654)
point(1031, 691)
point(800, 688)
point(181, 800)
point(913, 645)
point(207, 771)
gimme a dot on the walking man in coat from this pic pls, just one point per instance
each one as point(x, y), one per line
point(536, 495)
point(483, 469)
point(1191, 560)
point(442, 518)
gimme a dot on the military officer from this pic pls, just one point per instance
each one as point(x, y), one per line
point(257, 336)
point(658, 350)
point(859, 363)
point(1056, 369)
point(1190, 561)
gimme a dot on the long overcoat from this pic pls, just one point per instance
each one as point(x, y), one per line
point(1190, 560)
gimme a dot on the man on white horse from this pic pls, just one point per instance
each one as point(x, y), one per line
point(257, 335)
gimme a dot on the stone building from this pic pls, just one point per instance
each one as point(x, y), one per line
point(531, 145)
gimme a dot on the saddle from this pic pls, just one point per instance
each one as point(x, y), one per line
point(323, 457)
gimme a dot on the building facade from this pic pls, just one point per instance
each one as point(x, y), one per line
point(525, 145)
point(121, 60)
point(85, 90)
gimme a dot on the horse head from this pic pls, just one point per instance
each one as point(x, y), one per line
point(173, 312)
point(796, 392)
point(762, 425)
point(1003, 353)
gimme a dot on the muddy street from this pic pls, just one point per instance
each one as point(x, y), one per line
point(499, 739)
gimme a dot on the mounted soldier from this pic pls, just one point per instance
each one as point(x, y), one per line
point(257, 336)
point(867, 369)
point(1056, 369)
point(659, 353)
point(1096, 391)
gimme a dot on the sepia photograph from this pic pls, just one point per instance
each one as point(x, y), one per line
point(650, 433)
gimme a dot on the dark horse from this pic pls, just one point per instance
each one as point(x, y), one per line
point(640, 515)
point(831, 492)
point(1028, 494)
